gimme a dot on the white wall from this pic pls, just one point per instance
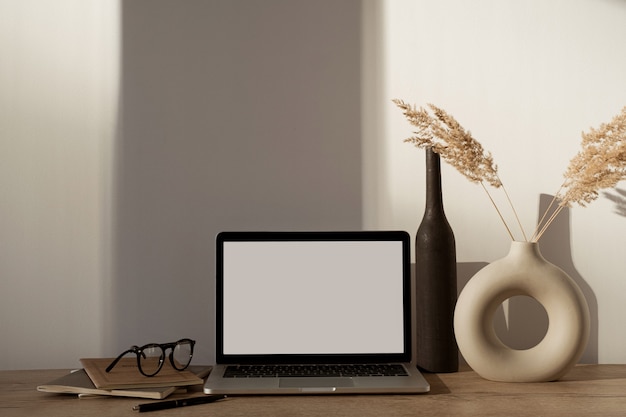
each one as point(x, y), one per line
point(131, 133)
point(58, 103)
point(525, 78)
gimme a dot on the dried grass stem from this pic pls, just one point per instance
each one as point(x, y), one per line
point(601, 162)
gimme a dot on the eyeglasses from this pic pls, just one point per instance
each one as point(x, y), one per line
point(150, 357)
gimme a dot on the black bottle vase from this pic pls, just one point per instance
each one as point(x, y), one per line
point(435, 280)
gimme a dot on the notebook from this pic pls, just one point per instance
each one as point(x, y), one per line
point(313, 313)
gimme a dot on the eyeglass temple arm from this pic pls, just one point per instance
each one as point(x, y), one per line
point(132, 349)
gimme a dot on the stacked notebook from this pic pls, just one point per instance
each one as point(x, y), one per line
point(125, 380)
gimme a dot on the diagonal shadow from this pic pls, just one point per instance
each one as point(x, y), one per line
point(619, 198)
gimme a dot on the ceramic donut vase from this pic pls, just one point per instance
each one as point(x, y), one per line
point(522, 272)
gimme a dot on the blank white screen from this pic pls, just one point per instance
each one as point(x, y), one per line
point(313, 297)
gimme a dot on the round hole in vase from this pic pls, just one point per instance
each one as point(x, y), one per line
point(521, 322)
point(522, 272)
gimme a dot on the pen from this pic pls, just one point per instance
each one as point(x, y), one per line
point(184, 402)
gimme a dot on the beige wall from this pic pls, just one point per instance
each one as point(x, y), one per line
point(131, 133)
point(526, 78)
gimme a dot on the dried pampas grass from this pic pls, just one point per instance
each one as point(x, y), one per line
point(455, 145)
point(600, 164)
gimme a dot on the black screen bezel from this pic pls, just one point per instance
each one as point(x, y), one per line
point(237, 236)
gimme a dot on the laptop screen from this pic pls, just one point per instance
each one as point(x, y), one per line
point(312, 294)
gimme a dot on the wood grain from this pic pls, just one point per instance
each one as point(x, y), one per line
point(588, 390)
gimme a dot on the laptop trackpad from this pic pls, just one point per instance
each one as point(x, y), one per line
point(318, 382)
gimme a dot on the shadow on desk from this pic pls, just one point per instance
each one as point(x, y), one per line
point(437, 386)
point(590, 373)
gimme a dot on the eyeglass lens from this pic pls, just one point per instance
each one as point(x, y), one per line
point(181, 354)
point(151, 358)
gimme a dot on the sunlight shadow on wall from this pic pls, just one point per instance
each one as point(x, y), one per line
point(618, 196)
point(234, 116)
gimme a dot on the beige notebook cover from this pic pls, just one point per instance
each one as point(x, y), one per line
point(126, 375)
point(79, 383)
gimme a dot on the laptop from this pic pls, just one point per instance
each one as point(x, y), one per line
point(313, 313)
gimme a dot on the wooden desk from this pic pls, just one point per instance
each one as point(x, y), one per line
point(588, 390)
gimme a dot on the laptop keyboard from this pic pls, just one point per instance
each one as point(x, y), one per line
point(282, 371)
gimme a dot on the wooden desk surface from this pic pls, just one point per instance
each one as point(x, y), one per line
point(588, 390)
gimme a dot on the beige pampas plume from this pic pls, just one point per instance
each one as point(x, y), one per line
point(441, 132)
point(600, 164)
